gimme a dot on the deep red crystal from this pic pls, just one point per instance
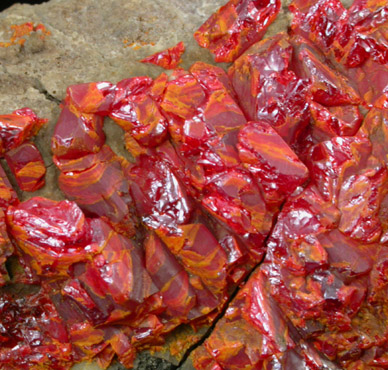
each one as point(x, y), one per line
point(18, 127)
point(26, 164)
point(167, 59)
point(236, 26)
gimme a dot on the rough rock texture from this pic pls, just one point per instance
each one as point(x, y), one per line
point(97, 40)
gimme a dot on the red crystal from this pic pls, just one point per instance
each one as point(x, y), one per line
point(6, 250)
point(167, 59)
point(77, 134)
point(18, 127)
point(273, 164)
point(97, 182)
point(268, 90)
point(54, 234)
point(161, 200)
point(32, 333)
point(94, 97)
point(8, 195)
point(236, 26)
point(328, 86)
point(26, 164)
point(136, 110)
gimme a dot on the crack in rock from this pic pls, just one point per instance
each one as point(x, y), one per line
point(145, 361)
point(40, 87)
point(33, 82)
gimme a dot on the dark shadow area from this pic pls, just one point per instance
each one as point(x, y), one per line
point(4, 4)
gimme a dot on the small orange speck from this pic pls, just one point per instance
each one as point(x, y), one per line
point(21, 31)
point(136, 45)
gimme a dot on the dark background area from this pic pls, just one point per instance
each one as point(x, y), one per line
point(7, 3)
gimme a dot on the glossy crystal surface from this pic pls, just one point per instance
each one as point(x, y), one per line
point(167, 59)
point(236, 26)
point(317, 301)
point(269, 180)
point(26, 164)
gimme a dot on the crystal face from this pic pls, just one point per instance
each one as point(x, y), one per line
point(167, 59)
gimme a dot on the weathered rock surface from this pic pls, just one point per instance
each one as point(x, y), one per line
point(97, 40)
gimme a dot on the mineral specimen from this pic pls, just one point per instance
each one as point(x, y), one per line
point(272, 177)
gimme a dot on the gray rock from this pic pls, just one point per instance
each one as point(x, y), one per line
point(90, 39)
point(145, 361)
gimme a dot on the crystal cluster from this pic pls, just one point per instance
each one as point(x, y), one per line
point(276, 167)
